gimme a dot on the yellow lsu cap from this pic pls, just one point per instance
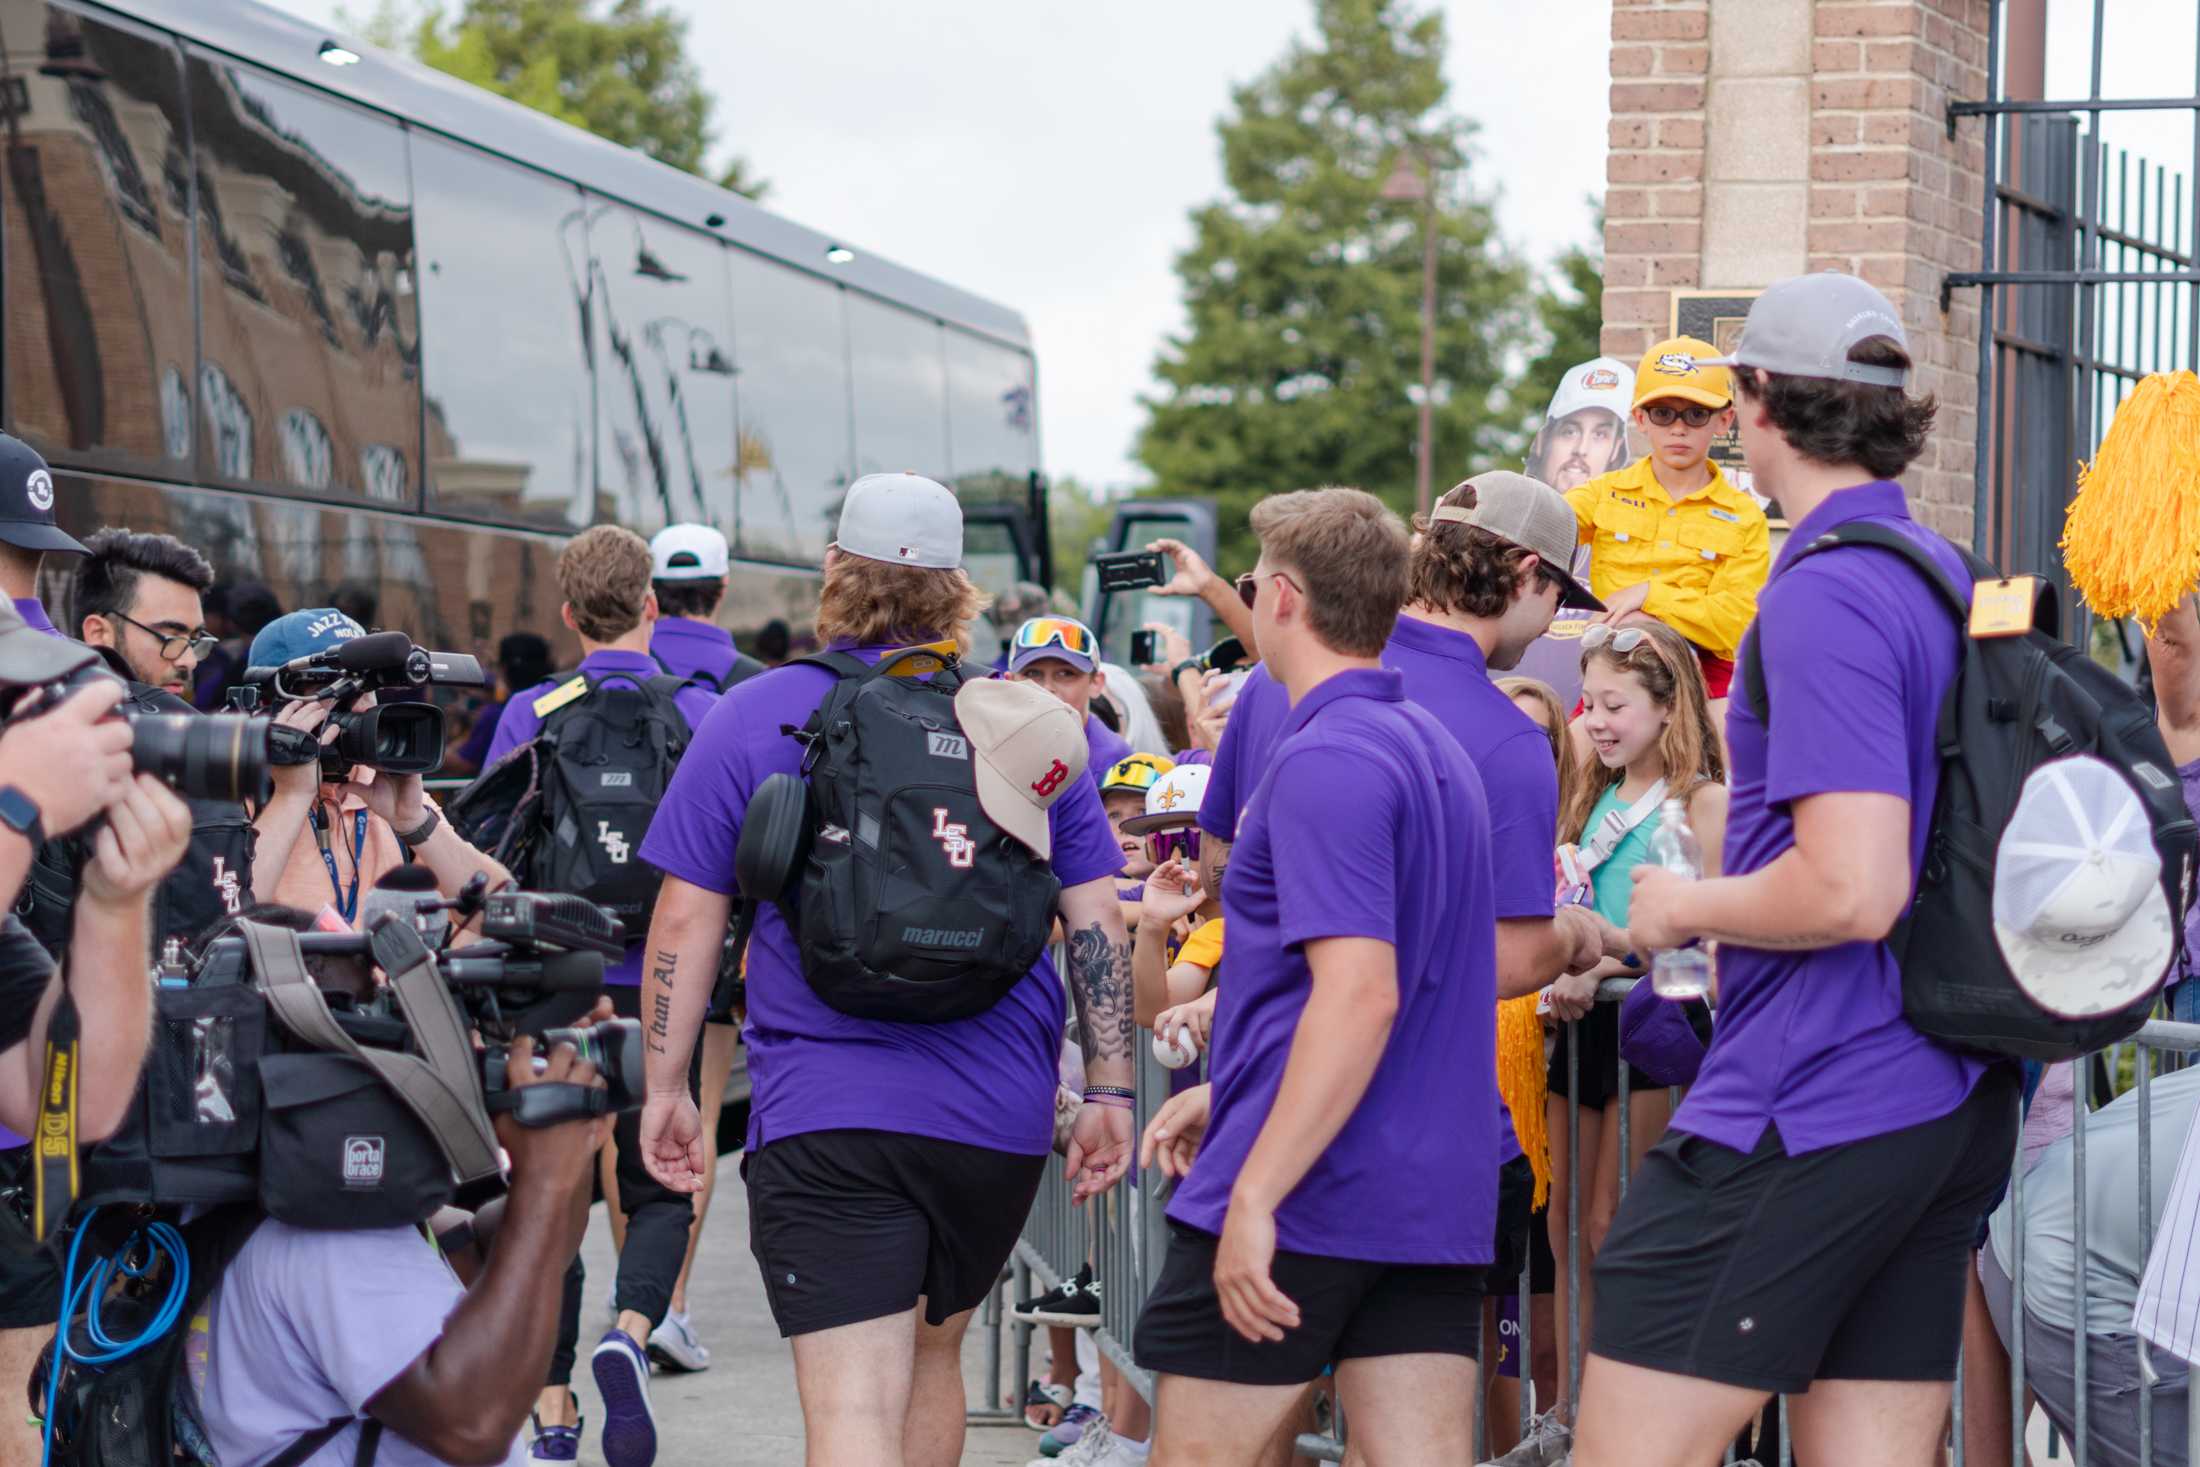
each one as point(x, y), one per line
point(1675, 369)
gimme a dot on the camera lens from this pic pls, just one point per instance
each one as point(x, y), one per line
point(614, 1047)
point(398, 738)
point(216, 756)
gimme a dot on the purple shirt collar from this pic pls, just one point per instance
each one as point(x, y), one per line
point(33, 612)
point(1358, 682)
point(1880, 499)
point(681, 626)
point(1441, 641)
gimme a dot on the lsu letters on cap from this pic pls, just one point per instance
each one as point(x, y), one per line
point(1028, 749)
point(26, 501)
point(688, 553)
point(902, 519)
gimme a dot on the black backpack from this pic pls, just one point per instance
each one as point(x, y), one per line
point(2017, 702)
point(740, 670)
point(911, 904)
point(566, 811)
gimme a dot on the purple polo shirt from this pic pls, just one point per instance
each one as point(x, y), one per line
point(519, 723)
point(687, 648)
point(1446, 673)
point(1369, 821)
point(1106, 749)
point(1858, 654)
point(983, 1081)
point(1256, 723)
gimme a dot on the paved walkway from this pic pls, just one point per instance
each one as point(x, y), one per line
point(742, 1412)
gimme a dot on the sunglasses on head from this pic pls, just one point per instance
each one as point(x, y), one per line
point(1664, 414)
point(1174, 845)
point(1622, 640)
point(1054, 631)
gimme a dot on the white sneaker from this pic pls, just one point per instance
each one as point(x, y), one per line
point(1549, 1443)
point(673, 1344)
point(1096, 1448)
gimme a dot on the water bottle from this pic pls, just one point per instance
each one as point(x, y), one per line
point(1681, 972)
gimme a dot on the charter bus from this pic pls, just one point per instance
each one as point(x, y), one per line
point(342, 321)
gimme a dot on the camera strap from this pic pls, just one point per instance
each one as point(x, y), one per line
point(439, 1086)
point(54, 1174)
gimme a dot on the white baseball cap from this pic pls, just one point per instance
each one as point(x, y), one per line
point(1028, 750)
point(1806, 325)
point(902, 519)
point(688, 553)
point(1173, 799)
point(1606, 382)
point(2079, 909)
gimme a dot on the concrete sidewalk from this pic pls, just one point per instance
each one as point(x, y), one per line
point(743, 1412)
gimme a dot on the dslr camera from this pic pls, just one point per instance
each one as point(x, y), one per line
point(396, 737)
point(199, 756)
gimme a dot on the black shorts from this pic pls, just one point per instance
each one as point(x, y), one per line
point(1599, 1034)
point(1347, 1311)
point(1542, 1262)
point(1770, 1271)
point(1515, 1216)
point(856, 1225)
point(30, 1276)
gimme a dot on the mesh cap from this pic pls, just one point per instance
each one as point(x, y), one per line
point(1806, 325)
point(1525, 512)
point(2078, 904)
point(1028, 748)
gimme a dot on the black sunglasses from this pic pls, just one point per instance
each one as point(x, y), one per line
point(1664, 414)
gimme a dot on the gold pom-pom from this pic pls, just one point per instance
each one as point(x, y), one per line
point(2131, 539)
point(1520, 1079)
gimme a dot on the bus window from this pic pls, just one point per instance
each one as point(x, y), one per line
point(101, 348)
point(305, 289)
point(792, 463)
point(504, 280)
point(992, 435)
point(900, 389)
point(664, 371)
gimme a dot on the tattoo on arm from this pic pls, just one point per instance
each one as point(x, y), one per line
point(660, 999)
point(1793, 943)
point(1100, 986)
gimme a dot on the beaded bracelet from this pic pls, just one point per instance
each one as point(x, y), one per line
point(1123, 1092)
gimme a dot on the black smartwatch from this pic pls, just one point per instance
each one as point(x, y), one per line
point(1189, 664)
point(19, 813)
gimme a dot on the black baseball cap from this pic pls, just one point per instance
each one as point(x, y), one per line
point(26, 501)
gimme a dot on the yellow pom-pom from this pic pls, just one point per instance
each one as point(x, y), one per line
point(1520, 1079)
point(2131, 539)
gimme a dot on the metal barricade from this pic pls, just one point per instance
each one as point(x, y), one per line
point(1124, 1236)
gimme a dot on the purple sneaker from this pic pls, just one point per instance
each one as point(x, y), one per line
point(622, 1377)
point(555, 1444)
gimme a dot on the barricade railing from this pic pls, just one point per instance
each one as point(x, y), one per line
point(1124, 1235)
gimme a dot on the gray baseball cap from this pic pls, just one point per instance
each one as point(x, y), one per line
point(1806, 325)
point(902, 519)
point(1528, 513)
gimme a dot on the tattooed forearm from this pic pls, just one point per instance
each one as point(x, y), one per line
point(1100, 987)
point(660, 999)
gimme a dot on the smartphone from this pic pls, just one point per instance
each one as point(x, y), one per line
point(1130, 570)
point(1145, 647)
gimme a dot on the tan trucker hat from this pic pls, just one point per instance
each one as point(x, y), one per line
point(1528, 513)
point(1028, 750)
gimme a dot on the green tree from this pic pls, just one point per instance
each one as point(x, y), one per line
point(1303, 287)
point(1570, 311)
point(617, 68)
point(1077, 515)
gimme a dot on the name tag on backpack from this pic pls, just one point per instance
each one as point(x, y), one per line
point(559, 696)
point(2003, 608)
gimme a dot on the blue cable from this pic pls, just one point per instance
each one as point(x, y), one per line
point(157, 1238)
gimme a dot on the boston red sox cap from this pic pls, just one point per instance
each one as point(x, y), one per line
point(26, 501)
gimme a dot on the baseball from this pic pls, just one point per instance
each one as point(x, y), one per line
point(1178, 1050)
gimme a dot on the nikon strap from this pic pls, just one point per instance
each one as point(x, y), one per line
point(54, 1175)
point(440, 1086)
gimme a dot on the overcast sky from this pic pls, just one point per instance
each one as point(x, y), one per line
point(1047, 155)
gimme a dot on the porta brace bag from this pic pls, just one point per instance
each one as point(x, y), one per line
point(2017, 702)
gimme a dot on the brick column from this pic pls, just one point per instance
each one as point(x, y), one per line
point(1752, 139)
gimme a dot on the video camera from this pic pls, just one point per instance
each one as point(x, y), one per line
point(397, 737)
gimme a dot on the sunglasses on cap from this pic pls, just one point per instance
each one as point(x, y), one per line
point(1174, 845)
point(1695, 415)
point(1139, 772)
point(1622, 640)
point(1054, 631)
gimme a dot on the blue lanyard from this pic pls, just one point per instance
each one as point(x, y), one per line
point(347, 907)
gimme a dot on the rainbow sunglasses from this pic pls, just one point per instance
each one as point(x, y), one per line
point(1138, 773)
point(1056, 631)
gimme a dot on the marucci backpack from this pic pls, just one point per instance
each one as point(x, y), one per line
point(2017, 702)
point(911, 904)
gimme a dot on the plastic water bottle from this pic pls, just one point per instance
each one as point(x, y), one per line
point(1681, 972)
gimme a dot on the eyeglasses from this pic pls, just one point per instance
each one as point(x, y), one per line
point(1665, 414)
point(1139, 772)
point(1248, 585)
point(1623, 640)
point(174, 644)
point(1054, 631)
point(1173, 845)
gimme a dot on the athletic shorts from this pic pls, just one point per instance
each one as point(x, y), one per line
point(1515, 1216)
point(856, 1225)
point(1348, 1310)
point(1769, 1271)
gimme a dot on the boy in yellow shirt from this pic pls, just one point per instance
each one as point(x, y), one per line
point(1671, 538)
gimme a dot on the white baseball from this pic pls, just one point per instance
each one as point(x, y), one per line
point(1177, 1051)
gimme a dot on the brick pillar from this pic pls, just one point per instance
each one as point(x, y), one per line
point(1752, 139)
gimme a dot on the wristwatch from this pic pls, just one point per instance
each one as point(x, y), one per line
point(19, 813)
point(428, 822)
point(1189, 664)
